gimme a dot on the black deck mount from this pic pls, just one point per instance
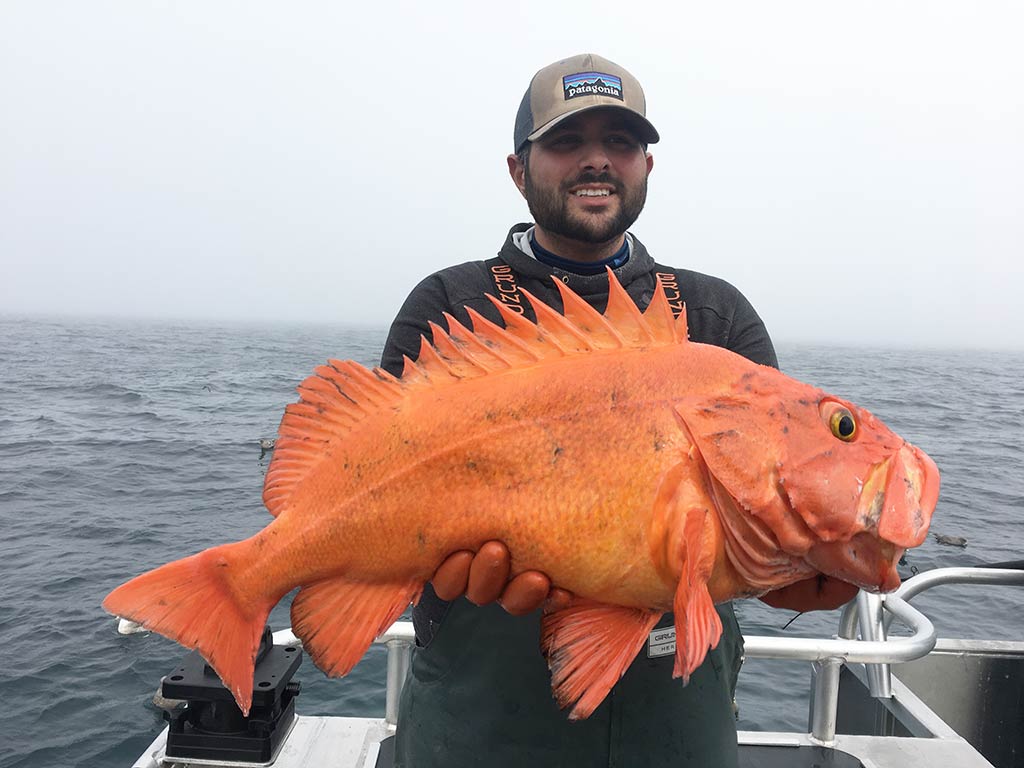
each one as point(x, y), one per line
point(212, 727)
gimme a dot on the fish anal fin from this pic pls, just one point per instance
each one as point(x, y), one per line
point(337, 619)
point(698, 626)
point(589, 646)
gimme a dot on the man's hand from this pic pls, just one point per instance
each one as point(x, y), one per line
point(484, 577)
point(818, 593)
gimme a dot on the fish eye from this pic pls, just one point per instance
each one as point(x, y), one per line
point(840, 421)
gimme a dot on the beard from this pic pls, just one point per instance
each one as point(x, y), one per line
point(550, 209)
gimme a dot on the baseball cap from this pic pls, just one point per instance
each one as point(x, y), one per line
point(575, 85)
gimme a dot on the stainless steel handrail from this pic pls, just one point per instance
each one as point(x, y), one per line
point(827, 655)
point(399, 639)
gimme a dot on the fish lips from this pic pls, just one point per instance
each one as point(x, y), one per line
point(911, 493)
point(864, 560)
point(892, 514)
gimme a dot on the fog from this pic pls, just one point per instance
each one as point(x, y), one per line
point(857, 170)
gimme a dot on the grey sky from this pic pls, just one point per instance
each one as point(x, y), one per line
point(857, 169)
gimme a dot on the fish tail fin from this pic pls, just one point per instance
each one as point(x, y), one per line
point(193, 602)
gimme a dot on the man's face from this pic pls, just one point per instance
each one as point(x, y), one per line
point(586, 179)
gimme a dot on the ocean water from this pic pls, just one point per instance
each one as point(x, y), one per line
point(125, 445)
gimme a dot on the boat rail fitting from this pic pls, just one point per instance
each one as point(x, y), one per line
point(872, 627)
point(828, 656)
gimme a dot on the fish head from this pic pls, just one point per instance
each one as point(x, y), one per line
point(865, 493)
point(834, 486)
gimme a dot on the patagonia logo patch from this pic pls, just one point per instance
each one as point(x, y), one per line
point(592, 84)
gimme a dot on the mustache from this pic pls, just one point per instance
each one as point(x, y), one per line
point(595, 178)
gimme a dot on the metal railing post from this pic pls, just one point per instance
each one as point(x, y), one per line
point(399, 658)
point(825, 700)
point(870, 618)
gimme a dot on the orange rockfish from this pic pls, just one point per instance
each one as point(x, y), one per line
point(726, 479)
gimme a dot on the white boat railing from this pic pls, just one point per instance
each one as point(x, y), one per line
point(871, 614)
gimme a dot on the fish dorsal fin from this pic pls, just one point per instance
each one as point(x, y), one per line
point(665, 328)
point(340, 395)
point(503, 344)
point(588, 320)
point(334, 399)
point(536, 336)
point(565, 333)
point(623, 314)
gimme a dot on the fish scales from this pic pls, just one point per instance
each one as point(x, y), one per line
point(640, 471)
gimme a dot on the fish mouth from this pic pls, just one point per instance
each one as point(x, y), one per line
point(864, 560)
point(893, 514)
point(899, 497)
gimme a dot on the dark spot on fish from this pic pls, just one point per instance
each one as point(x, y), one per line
point(718, 436)
point(555, 453)
point(345, 466)
point(320, 408)
point(161, 601)
point(659, 445)
point(470, 464)
point(785, 429)
point(421, 539)
point(490, 415)
point(804, 401)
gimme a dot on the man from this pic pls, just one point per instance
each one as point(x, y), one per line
point(478, 692)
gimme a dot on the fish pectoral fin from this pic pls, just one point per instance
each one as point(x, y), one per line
point(698, 626)
point(337, 619)
point(588, 646)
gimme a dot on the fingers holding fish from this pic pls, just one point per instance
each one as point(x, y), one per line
point(483, 577)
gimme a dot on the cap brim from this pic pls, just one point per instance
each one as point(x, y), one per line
point(646, 132)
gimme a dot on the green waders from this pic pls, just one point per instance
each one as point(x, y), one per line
point(480, 694)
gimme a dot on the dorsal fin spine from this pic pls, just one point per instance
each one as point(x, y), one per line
point(430, 363)
point(588, 319)
point(623, 313)
point(659, 316)
point(475, 346)
point(556, 324)
point(535, 335)
point(463, 361)
point(499, 337)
